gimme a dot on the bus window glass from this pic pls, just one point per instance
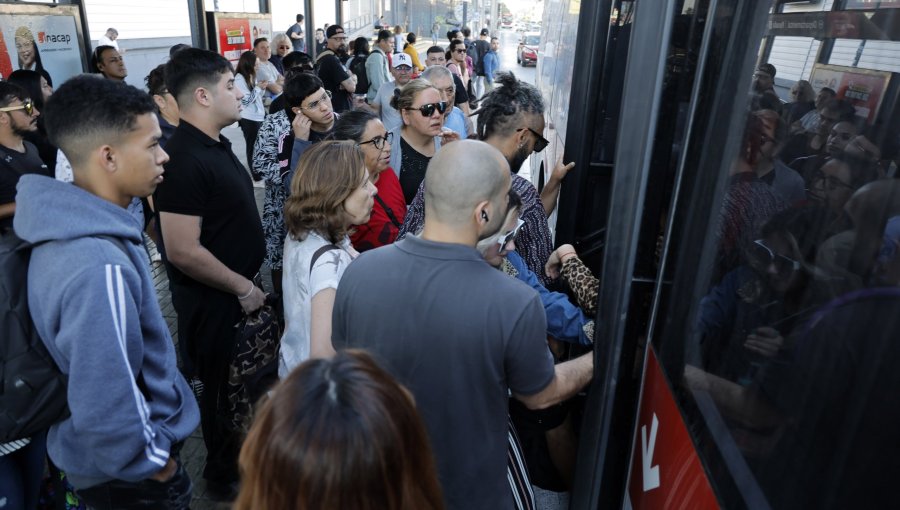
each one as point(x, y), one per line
point(785, 306)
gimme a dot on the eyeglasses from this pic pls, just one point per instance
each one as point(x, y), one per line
point(765, 256)
point(28, 106)
point(284, 47)
point(831, 182)
point(540, 143)
point(509, 236)
point(460, 50)
point(427, 110)
point(403, 69)
point(339, 37)
point(315, 104)
point(379, 141)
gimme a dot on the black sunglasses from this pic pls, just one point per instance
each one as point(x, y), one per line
point(28, 106)
point(427, 110)
point(540, 142)
point(379, 141)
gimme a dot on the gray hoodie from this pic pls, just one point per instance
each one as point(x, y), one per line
point(94, 304)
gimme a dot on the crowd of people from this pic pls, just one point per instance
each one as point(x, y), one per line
point(787, 343)
point(376, 200)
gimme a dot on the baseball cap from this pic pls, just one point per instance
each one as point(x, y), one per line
point(401, 59)
point(485, 31)
point(333, 30)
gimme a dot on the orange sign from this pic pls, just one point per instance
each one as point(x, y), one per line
point(665, 471)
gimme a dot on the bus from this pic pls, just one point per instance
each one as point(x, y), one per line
point(745, 342)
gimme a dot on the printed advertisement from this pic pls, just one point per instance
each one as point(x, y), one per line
point(864, 89)
point(234, 37)
point(236, 34)
point(48, 42)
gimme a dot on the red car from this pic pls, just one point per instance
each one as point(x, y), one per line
point(527, 53)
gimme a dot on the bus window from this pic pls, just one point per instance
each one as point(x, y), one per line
point(780, 311)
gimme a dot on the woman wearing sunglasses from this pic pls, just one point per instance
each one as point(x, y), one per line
point(746, 318)
point(366, 130)
point(419, 138)
point(330, 193)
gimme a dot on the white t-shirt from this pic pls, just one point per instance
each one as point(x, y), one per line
point(299, 287)
point(267, 71)
point(106, 41)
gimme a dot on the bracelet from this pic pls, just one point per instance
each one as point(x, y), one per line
point(561, 257)
point(245, 296)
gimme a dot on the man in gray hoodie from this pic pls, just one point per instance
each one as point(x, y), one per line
point(94, 303)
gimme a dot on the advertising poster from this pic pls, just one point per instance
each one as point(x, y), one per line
point(261, 28)
point(236, 33)
point(40, 42)
point(864, 89)
point(234, 37)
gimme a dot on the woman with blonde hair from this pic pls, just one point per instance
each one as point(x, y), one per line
point(331, 191)
point(338, 434)
point(418, 139)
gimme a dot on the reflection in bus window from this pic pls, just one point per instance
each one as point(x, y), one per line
point(795, 321)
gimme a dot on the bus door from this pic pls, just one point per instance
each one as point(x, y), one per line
point(747, 319)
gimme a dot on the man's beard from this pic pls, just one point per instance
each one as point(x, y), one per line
point(23, 131)
point(518, 159)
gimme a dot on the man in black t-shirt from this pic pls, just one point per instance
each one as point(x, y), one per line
point(337, 80)
point(17, 157)
point(214, 241)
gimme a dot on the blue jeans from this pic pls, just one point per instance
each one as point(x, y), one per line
point(174, 494)
point(20, 475)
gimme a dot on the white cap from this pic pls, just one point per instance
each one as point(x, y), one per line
point(401, 59)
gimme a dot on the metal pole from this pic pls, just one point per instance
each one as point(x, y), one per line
point(465, 12)
point(309, 29)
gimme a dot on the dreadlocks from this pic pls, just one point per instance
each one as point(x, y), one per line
point(501, 111)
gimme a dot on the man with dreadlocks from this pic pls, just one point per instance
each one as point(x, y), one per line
point(511, 118)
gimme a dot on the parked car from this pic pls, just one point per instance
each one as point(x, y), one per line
point(527, 52)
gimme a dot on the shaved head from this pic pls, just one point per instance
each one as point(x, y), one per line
point(460, 177)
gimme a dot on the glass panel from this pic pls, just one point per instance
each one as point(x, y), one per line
point(782, 319)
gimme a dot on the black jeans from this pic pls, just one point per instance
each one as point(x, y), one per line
point(250, 128)
point(174, 494)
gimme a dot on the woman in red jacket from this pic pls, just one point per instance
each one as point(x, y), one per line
point(369, 133)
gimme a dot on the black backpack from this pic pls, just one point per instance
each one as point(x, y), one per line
point(477, 50)
point(358, 67)
point(32, 388)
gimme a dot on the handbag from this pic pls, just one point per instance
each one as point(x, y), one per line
point(254, 366)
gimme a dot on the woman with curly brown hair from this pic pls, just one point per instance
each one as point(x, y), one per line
point(338, 434)
point(330, 192)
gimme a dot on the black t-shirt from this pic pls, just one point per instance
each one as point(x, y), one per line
point(15, 164)
point(204, 178)
point(332, 73)
point(462, 97)
point(412, 170)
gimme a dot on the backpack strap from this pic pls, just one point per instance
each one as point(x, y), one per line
point(323, 54)
point(321, 251)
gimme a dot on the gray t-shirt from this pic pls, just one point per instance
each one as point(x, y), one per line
point(389, 116)
point(459, 334)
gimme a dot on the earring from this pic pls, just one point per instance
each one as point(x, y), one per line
point(484, 216)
